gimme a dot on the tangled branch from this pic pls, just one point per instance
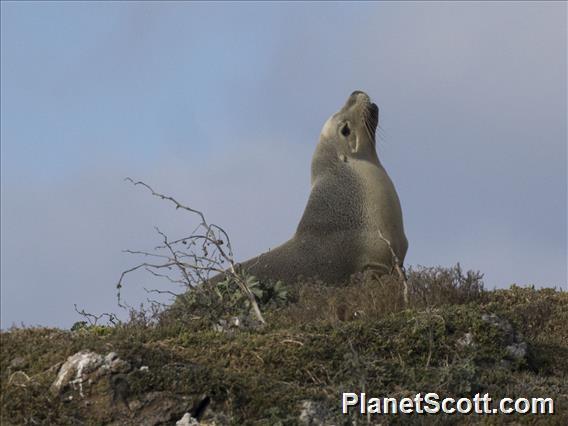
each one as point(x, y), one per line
point(193, 259)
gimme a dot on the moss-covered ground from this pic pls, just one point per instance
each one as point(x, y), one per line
point(360, 337)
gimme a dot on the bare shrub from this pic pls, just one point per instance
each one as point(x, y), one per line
point(368, 296)
point(192, 260)
point(435, 286)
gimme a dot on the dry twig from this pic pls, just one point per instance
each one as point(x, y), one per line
point(205, 251)
point(399, 269)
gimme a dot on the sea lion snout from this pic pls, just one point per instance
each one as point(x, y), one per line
point(359, 94)
point(360, 99)
point(360, 103)
point(357, 97)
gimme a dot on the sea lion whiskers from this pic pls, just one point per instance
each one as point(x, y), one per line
point(367, 127)
point(371, 120)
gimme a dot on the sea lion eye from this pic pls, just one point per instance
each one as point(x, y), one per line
point(345, 130)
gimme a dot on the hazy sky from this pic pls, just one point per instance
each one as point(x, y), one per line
point(221, 105)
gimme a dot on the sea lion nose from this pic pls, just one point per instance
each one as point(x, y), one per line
point(358, 96)
point(358, 92)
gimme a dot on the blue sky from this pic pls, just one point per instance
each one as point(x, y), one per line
point(220, 105)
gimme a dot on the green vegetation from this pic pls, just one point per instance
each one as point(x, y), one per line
point(207, 356)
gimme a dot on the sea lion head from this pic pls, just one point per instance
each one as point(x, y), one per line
point(351, 130)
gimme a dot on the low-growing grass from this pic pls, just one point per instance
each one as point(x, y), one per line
point(319, 341)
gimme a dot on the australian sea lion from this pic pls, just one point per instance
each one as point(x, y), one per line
point(353, 211)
